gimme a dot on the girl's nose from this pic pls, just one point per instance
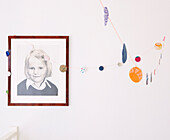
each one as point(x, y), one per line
point(35, 71)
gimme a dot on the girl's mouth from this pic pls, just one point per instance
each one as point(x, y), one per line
point(36, 76)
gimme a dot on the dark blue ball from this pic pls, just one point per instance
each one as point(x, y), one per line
point(101, 68)
point(7, 53)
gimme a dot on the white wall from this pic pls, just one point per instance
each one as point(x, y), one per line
point(103, 105)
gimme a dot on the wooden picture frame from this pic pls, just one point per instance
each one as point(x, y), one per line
point(39, 68)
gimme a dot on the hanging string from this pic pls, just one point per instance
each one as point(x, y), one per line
point(131, 58)
point(148, 50)
point(160, 58)
point(101, 4)
point(118, 34)
point(112, 25)
point(115, 31)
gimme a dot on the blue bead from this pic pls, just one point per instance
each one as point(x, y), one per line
point(124, 54)
point(7, 53)
point(101, 68)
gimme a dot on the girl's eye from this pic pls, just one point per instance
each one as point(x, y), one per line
point(40, 68)
point(32, 68)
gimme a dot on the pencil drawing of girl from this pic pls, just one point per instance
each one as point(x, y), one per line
point(37, 69)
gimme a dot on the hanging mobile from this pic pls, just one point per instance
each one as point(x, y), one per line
point(101, 68)
point(83, 69)
point(106, 15)
point(7, 53)
point(147, 78)
point(124, 53)
point(151, 77)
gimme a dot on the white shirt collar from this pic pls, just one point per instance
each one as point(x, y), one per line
point(31, 83)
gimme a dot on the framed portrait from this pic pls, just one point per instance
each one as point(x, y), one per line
point(39, 71)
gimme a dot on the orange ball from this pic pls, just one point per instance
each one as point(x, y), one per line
point(158, 46)
point(135, 74)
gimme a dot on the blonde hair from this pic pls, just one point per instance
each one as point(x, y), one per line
point(43, 57)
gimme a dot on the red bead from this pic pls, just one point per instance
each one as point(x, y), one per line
point(137, 59)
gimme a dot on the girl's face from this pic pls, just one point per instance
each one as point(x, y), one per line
point(37, 70)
